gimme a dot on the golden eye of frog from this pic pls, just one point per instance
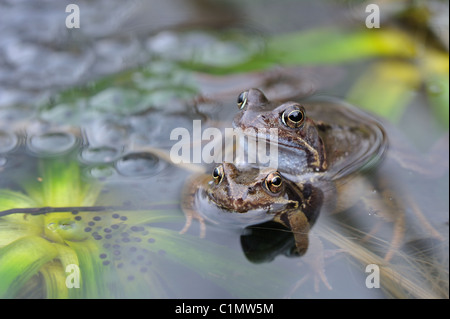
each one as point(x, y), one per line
point(313, 136)
point(254, 196)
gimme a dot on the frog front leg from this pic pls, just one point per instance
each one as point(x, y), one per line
point(188, 196)
point(297, 222)
point(300, 218)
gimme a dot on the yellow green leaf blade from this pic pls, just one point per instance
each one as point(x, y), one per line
point(438, 94)
point(335, 45)
point(386, 88)
point(15, 226)
point(60, 183)
point(20, 260)
point(11, 199)
point(55, 281)
point(320, 46)
point(11, 231)
point(92, 272)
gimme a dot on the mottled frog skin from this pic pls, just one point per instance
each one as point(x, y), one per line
point(262, 193)
point(325, 135)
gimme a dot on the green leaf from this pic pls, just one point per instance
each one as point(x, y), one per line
point(10, 199)
point(438, 95)
point(386, 88)
point(60, 184)
point(15, 226)
point(337, 45)
point(320, 46)
point(22, 259)
point(55, 281)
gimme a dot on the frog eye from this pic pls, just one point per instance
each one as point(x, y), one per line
point(217, 174)
point(242, 100)
point(274, 182)
point(293, 116)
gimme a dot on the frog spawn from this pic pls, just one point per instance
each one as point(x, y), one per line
point(103, 161)
point(123, 249)
point(126, 252)
point(8, 142)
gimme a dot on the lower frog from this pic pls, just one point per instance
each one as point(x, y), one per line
point(252, 196)
point(255, 196)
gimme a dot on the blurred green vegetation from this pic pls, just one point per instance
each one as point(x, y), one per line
point(45, 244)
point(394, 66)
point(398, 65)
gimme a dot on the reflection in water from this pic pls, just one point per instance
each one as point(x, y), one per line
point(8, 141)
point(264, 242)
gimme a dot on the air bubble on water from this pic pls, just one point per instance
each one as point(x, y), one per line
point(8, 141)
point(99, 155)
point(139, 165)
point(101, 171)
point(53, 143)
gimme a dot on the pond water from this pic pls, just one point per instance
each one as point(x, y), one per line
point(86, 117)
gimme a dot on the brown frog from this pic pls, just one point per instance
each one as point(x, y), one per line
point(329, 135)
point(329, 141)
point(318, 136)
point(253, 196)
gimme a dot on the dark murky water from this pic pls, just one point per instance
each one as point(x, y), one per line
point(118, 131)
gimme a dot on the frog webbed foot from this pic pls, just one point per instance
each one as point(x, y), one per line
point(188, 223)
point(314, 261)
point(188, 205)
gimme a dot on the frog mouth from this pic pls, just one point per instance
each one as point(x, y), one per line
point(292, 147)
point(244, 208)
point(223, 215)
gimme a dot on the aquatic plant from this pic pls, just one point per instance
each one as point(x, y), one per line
point(52, 229)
